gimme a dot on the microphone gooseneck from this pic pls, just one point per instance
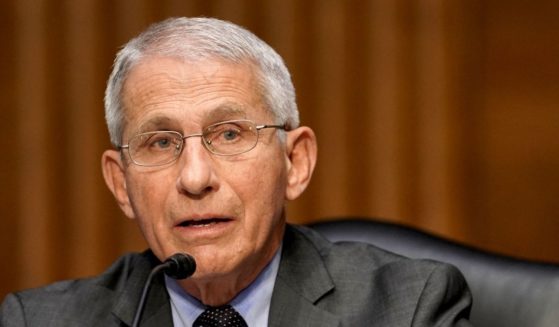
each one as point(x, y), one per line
point(177, 266)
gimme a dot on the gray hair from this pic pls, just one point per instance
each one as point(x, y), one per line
point(203, 38)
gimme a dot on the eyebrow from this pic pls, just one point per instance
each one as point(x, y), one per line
point(156, 123)
point(226, 111)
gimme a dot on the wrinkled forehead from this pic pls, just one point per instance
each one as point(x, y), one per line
point(172, 121)
point(160, 89)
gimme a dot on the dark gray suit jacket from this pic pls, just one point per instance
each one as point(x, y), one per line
point(318, 284)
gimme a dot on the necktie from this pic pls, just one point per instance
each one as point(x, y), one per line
point(224, 316)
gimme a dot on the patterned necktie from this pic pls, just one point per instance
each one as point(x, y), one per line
point(224, 316)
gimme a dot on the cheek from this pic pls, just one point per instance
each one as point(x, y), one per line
point(142, 191)
point(261, 181)
point(148, 195)
point(262, 191)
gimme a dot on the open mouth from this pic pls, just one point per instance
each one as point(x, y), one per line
point(203, 222)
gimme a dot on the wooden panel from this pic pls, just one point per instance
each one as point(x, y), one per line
point(35, 231)
point(10, 160)
point(439, 114)
point(517, 145)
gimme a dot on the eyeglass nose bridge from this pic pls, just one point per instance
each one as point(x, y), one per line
point(193, 135)
point(181, 145)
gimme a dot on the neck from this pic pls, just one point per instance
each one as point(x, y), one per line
point(220, 290)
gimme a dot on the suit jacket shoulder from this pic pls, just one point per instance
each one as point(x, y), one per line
point(109, 299)
point(355, 284)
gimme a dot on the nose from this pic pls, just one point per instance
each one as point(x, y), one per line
point(196, 172)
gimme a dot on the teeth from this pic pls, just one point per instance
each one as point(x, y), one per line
point(203, 224)
point(200, 223)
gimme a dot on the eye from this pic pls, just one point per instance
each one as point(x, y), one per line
point(230, 134)
point(224, 133)
point(163, 143)
point(160, 141)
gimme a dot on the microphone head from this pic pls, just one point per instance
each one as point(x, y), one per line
point(180, 266)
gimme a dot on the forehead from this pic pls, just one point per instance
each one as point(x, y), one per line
point(161, 90)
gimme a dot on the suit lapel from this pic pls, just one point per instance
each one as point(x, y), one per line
point(158, 314)
point(157, 311)
point(302, 281)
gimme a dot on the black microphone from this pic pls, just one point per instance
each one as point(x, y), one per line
point(177, 266)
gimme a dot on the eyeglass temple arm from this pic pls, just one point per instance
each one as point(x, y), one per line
point(284, 127)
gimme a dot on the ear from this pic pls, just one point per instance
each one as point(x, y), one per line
point(301, 149)
point(114, 174)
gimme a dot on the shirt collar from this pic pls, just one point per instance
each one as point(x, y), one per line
point(253, 303)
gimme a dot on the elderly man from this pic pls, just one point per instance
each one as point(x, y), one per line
point(208, 149)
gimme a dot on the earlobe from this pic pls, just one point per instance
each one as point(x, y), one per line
point(113, 172)
point(301, 151)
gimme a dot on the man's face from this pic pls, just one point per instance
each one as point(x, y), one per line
point(226, 211)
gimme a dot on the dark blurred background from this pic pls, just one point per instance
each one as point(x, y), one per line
point(438, 114)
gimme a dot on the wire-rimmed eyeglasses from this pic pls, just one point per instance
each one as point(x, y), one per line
point(225, 138)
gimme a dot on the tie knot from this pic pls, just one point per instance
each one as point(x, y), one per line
point(224, 316)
